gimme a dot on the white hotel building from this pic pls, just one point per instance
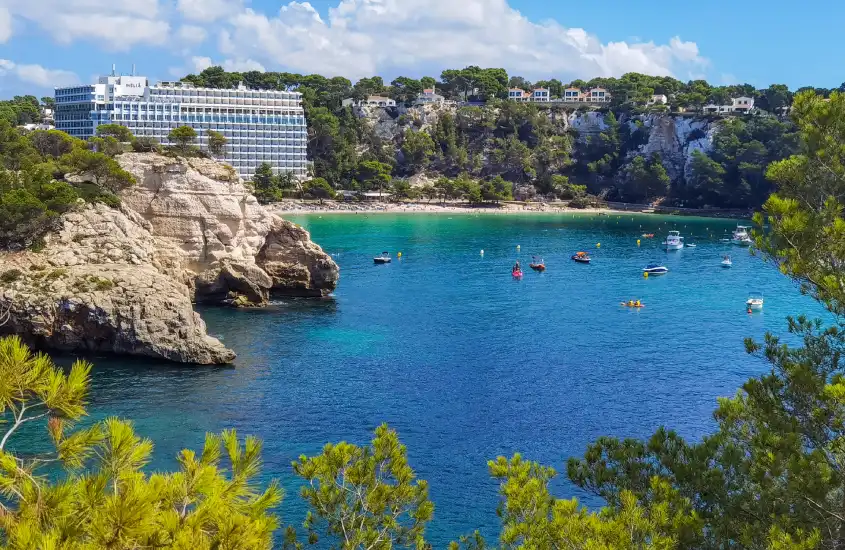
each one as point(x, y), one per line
point(260, 125)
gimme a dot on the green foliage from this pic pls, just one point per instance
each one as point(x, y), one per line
point(52, 143)
point(417, 148)
point(533, 519)
point(145, 144)
point(104, 498)
point(807, 232)
point(183, 139)
point(373, 175)
point(216, 142)
point(103, 170)
point(318, 188)
point(645, 179)
point(365, 497)
point(120, 133)
point(266, 185)
point(10, 276)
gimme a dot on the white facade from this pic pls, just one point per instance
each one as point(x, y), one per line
point(739, 105)
point(429, 96)
point(541, 95)
point(518, 94)
point(658, 99)
point(371, 101)
point(260, 125)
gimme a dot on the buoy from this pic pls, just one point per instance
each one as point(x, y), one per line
point(645, 275)
point(518, 247)
point(638, 242)
point(482, 253)
point(399, 255)
point(598, 245)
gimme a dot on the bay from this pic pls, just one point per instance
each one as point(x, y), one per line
point(466, 362)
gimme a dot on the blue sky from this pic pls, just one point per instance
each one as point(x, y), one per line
point(44, 43)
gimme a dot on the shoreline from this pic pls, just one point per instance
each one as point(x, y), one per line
point(294, 208)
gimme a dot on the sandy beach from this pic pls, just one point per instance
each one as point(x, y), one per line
point(336, 207)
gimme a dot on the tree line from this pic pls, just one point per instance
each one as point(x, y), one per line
point(529, 145)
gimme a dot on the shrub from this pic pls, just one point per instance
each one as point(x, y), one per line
point(145, 144)
point(11, 275)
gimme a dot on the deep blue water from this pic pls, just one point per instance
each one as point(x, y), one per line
point(465, 362)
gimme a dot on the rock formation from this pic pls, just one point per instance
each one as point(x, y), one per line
point(102, 285)
point(123, 280)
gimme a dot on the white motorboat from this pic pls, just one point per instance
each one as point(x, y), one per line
point(755, 301)
point(727, 262)
point(655, 269)
point(741, 236)
point(674, 241)
point(383, 259)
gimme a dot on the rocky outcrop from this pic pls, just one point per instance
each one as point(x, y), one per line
point(296, 265)
point(204, 211)
point(123, 280)
point(101, 285)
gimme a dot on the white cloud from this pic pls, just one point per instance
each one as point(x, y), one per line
point(192, 35)
point(5, 25)
point(366, 37)
point(242, 65)
point(117, 24)
point(201, 63)
point(38, 75)
point(207, 11)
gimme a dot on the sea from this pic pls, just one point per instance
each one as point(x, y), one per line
point(466, 362)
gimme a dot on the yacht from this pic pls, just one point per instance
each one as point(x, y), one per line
point(655, 269)
point(755, 301)
point(674, 241)
point(741, 236)
point(383, 259)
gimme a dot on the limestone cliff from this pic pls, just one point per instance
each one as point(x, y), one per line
point(674, 136)
point(207, 214)
point(103, 284)
point(123, 280)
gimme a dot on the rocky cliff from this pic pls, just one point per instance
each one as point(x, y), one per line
point(123, 280)
point(674, 136)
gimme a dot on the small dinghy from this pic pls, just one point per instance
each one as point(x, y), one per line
point(581, 258)
point(383, 259)
point(655, 269)
point(727, 262)
point(538, 265)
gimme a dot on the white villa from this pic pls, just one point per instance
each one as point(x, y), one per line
point(739, 105)
point(429, 95)
point(594, 95)
point(541, 95)
point(518, 94)
point(658, 99)
point(371, 101)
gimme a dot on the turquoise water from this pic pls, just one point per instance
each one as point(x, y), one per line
point(464, 361)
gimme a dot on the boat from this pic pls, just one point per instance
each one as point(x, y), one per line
point(581, 257)
point(726, 261)
point(690, 245)
point(383, 259)
point(538, 266)
point(655, 269)
point(741, 237)
point(674, 241)
point(755, 301)
point(636, 304)
point(648, 235)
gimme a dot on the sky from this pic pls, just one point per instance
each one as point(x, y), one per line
point(49, 43)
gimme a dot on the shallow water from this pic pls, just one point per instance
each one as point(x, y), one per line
point(464, 361)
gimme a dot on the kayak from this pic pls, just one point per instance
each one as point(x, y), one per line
point(631, 305)
point(537, 267)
